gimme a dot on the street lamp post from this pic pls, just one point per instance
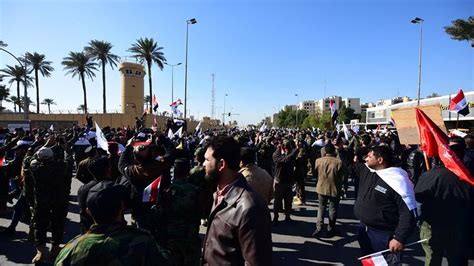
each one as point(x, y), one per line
point(189, 21)
point(223, 114)
point(172, 81)
point(25, 93)
point(296, 95)
point(418, 20)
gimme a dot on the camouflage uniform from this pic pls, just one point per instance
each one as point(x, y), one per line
point(83, 173)
point(205, 190)
point(176, 224)
point(115, 244)
point(51, 193)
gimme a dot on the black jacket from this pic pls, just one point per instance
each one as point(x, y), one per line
point(380, 207)
point(446, 200)
point(284, 166)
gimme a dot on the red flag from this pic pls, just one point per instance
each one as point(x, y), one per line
point(150, 193)
point(2, 161)
point(435, 143)
point(459, 104)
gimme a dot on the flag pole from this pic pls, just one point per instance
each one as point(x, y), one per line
point(383, 251)
point(457, 121)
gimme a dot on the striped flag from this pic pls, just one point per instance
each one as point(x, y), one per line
point(150, 193)
point(384, 257)
point(459, 104)
point(334, 114)
point(381, 260)
point(155, 103)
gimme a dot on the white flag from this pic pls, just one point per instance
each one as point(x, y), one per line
point(101, 140)
point(170, 134)
point(347, 133)
point(198, 127)
point(51, 128)
point(263, 127)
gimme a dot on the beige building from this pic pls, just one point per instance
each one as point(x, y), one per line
point(308, 106)
point(353, 103)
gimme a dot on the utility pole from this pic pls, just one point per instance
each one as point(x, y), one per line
point(213, 97)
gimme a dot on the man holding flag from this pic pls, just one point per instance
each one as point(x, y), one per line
point(385, 204)
point(446, 197)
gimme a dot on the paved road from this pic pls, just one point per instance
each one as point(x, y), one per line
point(292, 242)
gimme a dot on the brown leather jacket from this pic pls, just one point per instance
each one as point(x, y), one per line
point(239, 231)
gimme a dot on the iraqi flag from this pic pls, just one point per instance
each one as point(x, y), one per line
point(381, 260)
point(459, 104)
point(435, 143)
point(150, 193)
point(334, 114)
point(155, 103)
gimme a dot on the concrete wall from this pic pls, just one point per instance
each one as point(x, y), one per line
point(66, 120)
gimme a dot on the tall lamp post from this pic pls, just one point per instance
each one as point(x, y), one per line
point(223, 114)
point(418, 20)
point(189, 21)
point(172, 81)
point(296, 95)
point(25, 93)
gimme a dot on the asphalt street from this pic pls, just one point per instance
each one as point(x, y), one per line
point(292, 241)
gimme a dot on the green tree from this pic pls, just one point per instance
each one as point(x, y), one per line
point(48, 102)
point(325, 121)
point(80, 64)
point(148, 50)
point(100, 51)
point(462, 30)
point(15, 101)
point(433, 95)
point(82, 108)
point(29, 101)
point(310, 121)
point(38, 64)
point(4, 93)
point(16, 74)
point(287, 118)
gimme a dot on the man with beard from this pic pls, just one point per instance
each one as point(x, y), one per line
point(385, 204)
point(239, 230)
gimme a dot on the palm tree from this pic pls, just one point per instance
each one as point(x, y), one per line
point(16, 73)
point(82, 108)
point(29, 101)
point(48, 102)
point(39, 64)
point(79, 63)
point(147, 101)
point(4, 93)
point(148, 50)
point(15, 100)
point(100, 50)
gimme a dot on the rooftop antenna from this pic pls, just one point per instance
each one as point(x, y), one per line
point(324, 89)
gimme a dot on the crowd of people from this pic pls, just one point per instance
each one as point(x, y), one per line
point(225, 179)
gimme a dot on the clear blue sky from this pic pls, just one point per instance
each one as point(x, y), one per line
point(262, 52)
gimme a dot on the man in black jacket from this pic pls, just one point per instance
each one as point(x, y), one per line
point(284, 159)
point(446, 212)
point(384, 203)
